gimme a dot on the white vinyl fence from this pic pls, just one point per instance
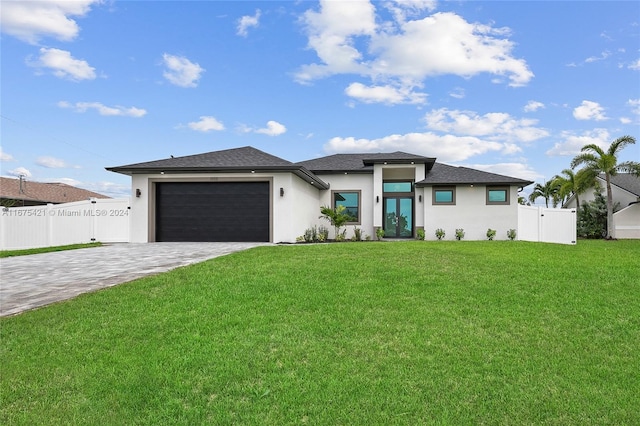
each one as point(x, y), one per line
point(104, 220)
point(547, 225)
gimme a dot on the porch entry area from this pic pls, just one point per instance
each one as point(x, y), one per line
point(398, 211)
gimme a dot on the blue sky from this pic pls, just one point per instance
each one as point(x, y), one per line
point(510, 87)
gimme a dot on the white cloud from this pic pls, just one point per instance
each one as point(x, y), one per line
point(445, 148)
point(181, 71)
point(66, 181)
point(273, 129)
point(604, 55)
point(206, 124)
point(635, 106)
point(589, 110)
point(20, 171)
point(104, 110)
point(402, 9)
point(457, 93)
point(63, 65)
point(519, 170)
point(247, 22)
point(635, 65)
point(385, 94)
point(533, 106)
point(625, 120)
point(572, 143)
point(495, 126)
point(51, 162)
point(4, 157)
point(349, 38)
point(29, 21)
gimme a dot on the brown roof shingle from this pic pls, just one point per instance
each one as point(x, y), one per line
point(44, 192)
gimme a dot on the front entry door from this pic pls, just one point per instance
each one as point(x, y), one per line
point(398, 217)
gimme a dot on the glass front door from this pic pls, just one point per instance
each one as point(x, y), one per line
point(398, 217)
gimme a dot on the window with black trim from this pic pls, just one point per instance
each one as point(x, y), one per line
point(444, 195)
point(351, 201)
point(497, 195)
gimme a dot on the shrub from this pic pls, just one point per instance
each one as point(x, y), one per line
point(440, 233)
point(459, 234)
point(379, 233)
point(491, 234)
point(511, 234)
point(311, 235)
point(323, 233)
point(357, 234)
point(420, 234)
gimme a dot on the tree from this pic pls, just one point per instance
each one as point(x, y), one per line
point(597, 161)
point(547, 191)
point(573, 183)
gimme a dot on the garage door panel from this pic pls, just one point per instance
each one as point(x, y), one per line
point(212, 211)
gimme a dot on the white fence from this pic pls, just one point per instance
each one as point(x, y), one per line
point(104, 220)
point(547, 225)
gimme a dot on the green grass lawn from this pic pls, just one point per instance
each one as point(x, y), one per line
point(25, 252)
point(447, 332)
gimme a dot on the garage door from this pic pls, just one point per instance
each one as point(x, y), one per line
point(212, 211)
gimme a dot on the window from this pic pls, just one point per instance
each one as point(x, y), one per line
point(444, 195)
point(498, 195)
point(351, 201)
point(397, 187)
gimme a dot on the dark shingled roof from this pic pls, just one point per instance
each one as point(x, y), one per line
point(43, 193)
point(442, 174)
point(361, 163)
point(230, 160)
point(237, 158)
point(251, 159)
point(626, 181)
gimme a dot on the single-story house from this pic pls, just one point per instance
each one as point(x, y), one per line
point(625, 191)
point(21, 192)
point(245, 194)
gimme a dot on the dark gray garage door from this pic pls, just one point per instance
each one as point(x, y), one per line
point(212, 211)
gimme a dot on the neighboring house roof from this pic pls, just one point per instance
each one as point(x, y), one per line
point(245, 159)
point(442, 174)
point(626, 181)
point(362, 163)
point(250, 159)
point(40, 192)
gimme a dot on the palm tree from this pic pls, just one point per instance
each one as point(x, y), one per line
point(597, 161)
point(574, 183)
point(547, 191)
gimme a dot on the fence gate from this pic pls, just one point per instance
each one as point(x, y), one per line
point(544, 225)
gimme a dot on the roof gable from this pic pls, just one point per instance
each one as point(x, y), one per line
point(626, 181)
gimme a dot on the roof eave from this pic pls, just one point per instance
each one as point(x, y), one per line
point(301, 172)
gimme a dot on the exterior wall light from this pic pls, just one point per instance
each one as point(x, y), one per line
point(377, 198)
point(138, 193)
point(420, 198)
point(282, 192)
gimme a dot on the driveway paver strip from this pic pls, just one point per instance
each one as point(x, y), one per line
point(32, 281)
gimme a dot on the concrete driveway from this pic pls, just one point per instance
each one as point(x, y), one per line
point(28, 282)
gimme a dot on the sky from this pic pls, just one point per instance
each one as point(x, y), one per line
point(510, 87)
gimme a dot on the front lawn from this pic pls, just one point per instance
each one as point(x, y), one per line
point(443, 332)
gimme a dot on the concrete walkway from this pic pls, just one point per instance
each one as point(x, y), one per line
point(28, 282)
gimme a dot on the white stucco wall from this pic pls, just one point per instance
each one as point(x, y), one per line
point(350, 182)
point(470, 213)
point(626, 222)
